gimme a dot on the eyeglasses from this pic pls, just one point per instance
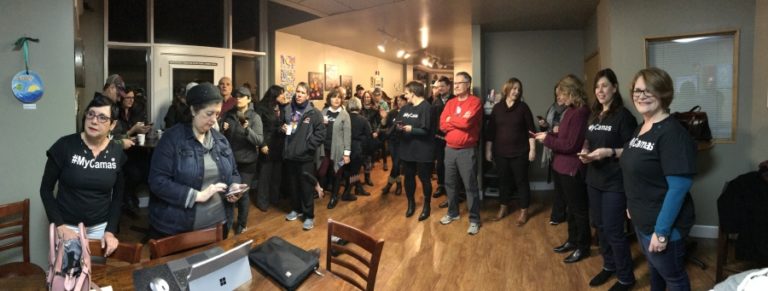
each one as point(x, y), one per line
point(101, 118)
point(637, 92)
point(456, 83)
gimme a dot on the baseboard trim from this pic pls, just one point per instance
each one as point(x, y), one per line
point(704, 231)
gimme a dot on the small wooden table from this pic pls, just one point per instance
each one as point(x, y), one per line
point(121, 278)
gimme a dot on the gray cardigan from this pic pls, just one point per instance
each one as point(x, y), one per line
point(342, 131)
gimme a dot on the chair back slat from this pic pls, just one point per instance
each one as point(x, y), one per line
point(159, 248)
point(363, 240)
point(13, 215)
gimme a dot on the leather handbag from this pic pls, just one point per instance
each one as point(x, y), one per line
point(69, 262)
point(696, 122)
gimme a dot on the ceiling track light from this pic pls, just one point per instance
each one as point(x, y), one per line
point(382, 46)
point(400, 53)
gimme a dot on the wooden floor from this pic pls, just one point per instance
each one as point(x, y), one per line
point(430, 256)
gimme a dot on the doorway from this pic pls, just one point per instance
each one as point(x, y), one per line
point(175, 67)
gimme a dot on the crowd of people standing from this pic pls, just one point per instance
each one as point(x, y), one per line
point(220, 141)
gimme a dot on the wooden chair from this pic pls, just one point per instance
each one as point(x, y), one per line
point(361, 239)
point(125, 252)
point(159, 248)
point(14, 233)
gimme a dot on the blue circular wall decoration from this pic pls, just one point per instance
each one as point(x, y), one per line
point(27, 86)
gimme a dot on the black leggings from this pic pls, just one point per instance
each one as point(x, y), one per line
point(425, 174)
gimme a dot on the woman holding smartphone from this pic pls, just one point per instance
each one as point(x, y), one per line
point(416, 147)
point(510, 145)
point(610, 126)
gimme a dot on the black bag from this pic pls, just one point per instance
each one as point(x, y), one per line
point(696, 122)
point(288, 264)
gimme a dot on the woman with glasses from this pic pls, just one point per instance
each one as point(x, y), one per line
point(87, 167)
point(243, 128)
point(192, 170)
point(565, 144)
point(414, 124)
point(510, 145)
point(610, 126)
point(658, 164)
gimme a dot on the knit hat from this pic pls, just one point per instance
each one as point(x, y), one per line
point(189, 86)
point(204, 93)
point(242, 91)
point(116, 80)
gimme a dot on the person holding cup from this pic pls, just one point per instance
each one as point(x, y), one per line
point(191, 169)
point(243, 128)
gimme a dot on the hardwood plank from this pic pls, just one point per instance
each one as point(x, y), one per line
point(430, 256)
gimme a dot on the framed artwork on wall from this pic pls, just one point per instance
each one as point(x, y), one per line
point(315, 82)
point(346, 82)
point(331, 76)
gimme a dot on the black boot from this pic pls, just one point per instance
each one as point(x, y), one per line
point(425, 210)
point(334, 194)
point(399, 188)
point(359, 190)
point(368, 179)
point(411, 207)
point(385, 190)
point(347, 196)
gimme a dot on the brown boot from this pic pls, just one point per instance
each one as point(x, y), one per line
point(503, 211)
point(523, 218)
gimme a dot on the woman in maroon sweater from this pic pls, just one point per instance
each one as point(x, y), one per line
point(565, 145)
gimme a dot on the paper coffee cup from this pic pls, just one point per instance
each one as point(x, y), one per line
point(142, 138)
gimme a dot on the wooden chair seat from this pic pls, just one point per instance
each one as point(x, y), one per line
point(345, 254)
point(20, 269)
point(167, 246)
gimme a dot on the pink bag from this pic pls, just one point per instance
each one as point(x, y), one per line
point(72, 279)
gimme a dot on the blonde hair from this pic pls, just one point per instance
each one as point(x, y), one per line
point(573, 87)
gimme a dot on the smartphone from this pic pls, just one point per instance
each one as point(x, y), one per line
point(539, 117)
point(582, 154)
point(238, 191)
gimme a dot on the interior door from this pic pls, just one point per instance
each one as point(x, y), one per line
point(591, 67)
point(175, 67)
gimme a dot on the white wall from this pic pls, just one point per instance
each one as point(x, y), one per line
point(759, 129)
point(623, 27)
point(27, 134)
point(313, 56)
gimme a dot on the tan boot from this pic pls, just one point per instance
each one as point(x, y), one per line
point(523, 218)
point(503, 211)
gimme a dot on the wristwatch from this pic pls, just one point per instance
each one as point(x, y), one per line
point(661, 238)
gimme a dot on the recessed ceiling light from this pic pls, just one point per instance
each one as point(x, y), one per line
point(400, 53)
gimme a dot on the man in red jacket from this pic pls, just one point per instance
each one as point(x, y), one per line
point(460, 121)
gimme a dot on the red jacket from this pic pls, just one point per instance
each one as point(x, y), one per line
point(460, 121)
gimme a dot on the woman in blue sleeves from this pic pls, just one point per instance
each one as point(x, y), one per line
point(658, 165)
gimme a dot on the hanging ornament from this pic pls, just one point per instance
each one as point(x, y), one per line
point(27, 85)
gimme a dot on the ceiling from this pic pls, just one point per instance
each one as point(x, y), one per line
point(360, 25)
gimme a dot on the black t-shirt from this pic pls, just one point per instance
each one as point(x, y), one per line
point(89, 189)
point(416, 146)
point(331, 116)
point(612, 132)
point(665, 150)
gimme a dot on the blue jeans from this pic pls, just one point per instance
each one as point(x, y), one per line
point(608, 211)
point(667, 268)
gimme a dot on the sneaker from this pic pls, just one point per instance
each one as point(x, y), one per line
point(291, 216)
point(474, 227)
point(309, 223)
point(448, 219)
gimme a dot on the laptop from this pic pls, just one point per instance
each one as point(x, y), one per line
point(213, 269)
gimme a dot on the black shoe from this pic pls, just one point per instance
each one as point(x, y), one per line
point(368, 179)
point(576, 256)
point(424, 213)
point(411, 208)
point(332, 202)
point(348, 197)
point(564, 248)
point(439, 192)
point(385, 190)
point(443, 204)
point(131, 210)
point(621, 287)
point(398, 188)
point(359, 190)
point(601, 278)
